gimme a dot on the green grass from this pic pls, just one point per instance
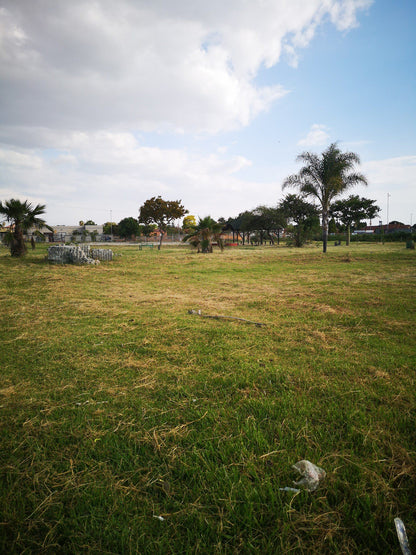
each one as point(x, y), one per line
point(117, 406)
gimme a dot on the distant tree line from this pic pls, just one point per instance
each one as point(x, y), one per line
point(313, 212)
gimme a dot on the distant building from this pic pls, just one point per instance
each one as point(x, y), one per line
point(386, 228)
point(69, 233)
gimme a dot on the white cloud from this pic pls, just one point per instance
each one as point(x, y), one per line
point(318, 135)
point(151, 65)
point(81, 80)
point(19, 159)
point(344, 14)
point(395, 176)
point(92, 173)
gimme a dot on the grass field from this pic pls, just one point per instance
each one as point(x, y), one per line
point(130, 426)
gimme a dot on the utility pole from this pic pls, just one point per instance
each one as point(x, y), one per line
point(388, 197)
point(111, 224)
point(380, 223)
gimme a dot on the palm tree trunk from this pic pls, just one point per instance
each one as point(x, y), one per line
point(17, 245)
point(324, 229)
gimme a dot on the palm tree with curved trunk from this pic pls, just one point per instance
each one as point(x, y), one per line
point(325, 178)
point(21, 216)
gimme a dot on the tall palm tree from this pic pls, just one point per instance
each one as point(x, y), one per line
point(325, 178)
point(204, 233)
point(21, 216)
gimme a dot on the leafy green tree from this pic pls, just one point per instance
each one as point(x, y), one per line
point(353, 210)
point(204, 233)
point(147, 230)
point(162, 213)
point(90, 222)
point(303, 215)
point(241, 225)
point(128, 228)
point(21, 216)
point(325, 178)
point(110, 228)
point(244, 224)
point(268, 221)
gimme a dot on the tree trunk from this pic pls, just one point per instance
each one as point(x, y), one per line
point(325, 229)
point(17, 245)
point(298, 236)
point(347, 242)
point(160, 241)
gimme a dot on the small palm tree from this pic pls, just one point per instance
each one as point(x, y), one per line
point(21, 216)
point(325, 178)
point(204, 233)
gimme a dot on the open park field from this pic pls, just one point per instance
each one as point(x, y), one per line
point(129, 426)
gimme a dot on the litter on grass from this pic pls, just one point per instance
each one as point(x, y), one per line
point(401, 534)
point(88, 402)
point(312, 475)
point(294, 490)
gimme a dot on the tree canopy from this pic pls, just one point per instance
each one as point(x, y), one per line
point(303, 215)
point(264, 221)
point(162, 213)
point(353, 210)
point(325, 178)
point(21, 216)
point(110, 228)
point(147, 230)
point(128, 228)
point(268, 221)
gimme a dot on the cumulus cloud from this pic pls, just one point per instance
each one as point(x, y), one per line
point(82, 80)
point(318, 135)
point(91, 173)
point(150, 65)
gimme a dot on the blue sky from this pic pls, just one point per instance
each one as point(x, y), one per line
point(106, 104)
